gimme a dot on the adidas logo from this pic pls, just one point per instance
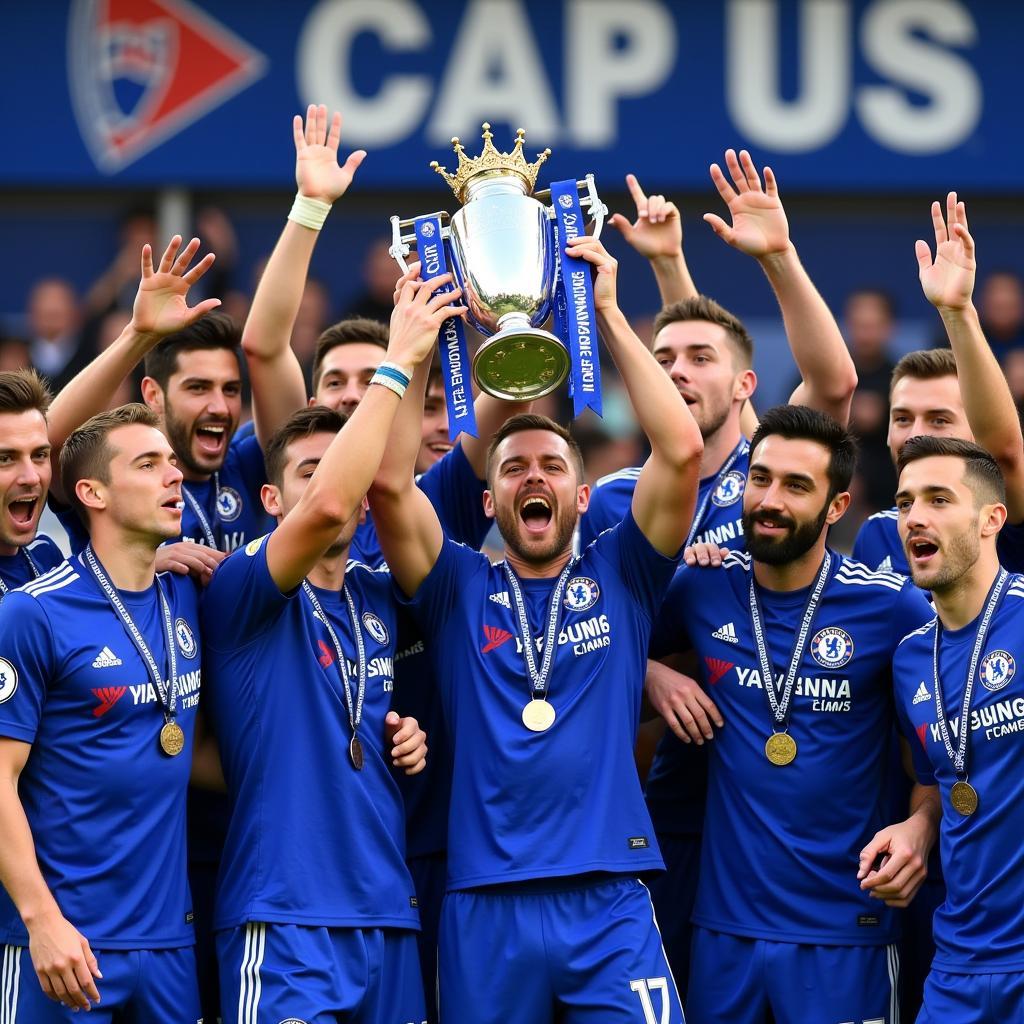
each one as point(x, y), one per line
point(726, 633)
point(106, 659)
point(502, 599)
point(922, 694)
point(886, 566)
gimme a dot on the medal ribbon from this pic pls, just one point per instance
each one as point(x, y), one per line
point(780, 704)
point(539, 677)
point(574, 300)
point(698, 516)
point(197, 510)
point(355, 714)
point(959, 755)
point(4, 589)
point(166, 691)
point(451, 339)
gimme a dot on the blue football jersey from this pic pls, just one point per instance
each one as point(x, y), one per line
point(528, 805)
point(310, 840)
point(980, 927)
point(800, 827)
point(456, 493)
point(106, 806)
point(28, 563)
point(878, 545)
point(720, 498)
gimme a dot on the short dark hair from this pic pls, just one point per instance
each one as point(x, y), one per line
point(314, 419)
point(215, 330)
point(924, 364)
point(798, 422)
point(981, 471)
point(534, 421)
point(86, 454)
point(359, 330)
point(23, 391)
point(701, 307)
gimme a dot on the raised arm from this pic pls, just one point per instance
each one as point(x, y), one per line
point(948, 284)
point(666, 491)
point(160, 308)
point(657, 234)
point(344, 474)
point(760, 229)
point(278, 387)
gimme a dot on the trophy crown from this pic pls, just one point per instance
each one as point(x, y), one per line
point(491, 160)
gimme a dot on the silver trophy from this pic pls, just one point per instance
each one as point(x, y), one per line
point(501, 244)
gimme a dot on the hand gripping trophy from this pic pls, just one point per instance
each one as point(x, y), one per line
point(505, 247)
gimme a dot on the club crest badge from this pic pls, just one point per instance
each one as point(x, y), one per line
point(832, 647)
point(581, 593)
point(729, 489)
point(375, 627)
point(8, 680)
point(186, 641)
point(229, 504)
point(997, 669)
point(141, 71)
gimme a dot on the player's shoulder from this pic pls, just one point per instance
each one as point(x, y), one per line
point(45, 552)
point(1015, 589)
point(621, 478)
point(917, 636)
point(368, 577)
point(886, 515)
point(851, 573)
point(54, 585)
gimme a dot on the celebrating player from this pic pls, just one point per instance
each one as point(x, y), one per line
point(99, 683)
point(300, 677)
point(959, 700)
point(795, 644)
point(960, 393)
point(540, 663)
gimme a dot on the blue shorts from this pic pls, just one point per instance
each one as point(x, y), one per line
point(736, 980)
point(429, 875)
point(973, 999)
point(585, 952)
point(673, 893)
point(283, 972)
point(140, 986)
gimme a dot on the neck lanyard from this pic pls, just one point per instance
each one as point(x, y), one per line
point(199, 513)
point(4, 589)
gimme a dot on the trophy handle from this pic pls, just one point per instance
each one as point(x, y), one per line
point(590, 200)
point(400, 240)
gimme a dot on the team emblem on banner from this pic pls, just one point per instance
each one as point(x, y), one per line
point(729, 489)
point(997, 670)
point(832, 647)
point(581, 593)
point(186, 641)
point(229, 504)
point(375, 627)
point(140, 71)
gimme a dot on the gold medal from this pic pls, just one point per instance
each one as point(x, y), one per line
point(964, 798)
point(780, 748)
point(355, 752)
point(172, 739)
point(538, 716)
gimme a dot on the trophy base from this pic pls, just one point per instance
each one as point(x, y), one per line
point(520, 364)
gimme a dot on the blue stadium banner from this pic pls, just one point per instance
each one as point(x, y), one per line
point(836, 94)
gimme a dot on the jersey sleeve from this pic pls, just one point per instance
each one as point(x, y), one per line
point(669, 634)
point(439, 593)
point(28, 661)
point(646, 572)
point(456, 493)
point(602, 514)
point(242, 599)
point(865, 545)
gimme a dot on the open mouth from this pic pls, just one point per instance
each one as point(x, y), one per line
point(23, 510)
point(921, 550)
point(211, 438)
point(535, 513)
point(174, 503)
point(771, 525)
point(439, 447)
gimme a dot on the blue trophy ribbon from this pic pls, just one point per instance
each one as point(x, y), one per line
point(451, 339)
point(574, 301)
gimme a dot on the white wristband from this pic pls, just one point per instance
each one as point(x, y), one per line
point(390, 383)
point(310, 213)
